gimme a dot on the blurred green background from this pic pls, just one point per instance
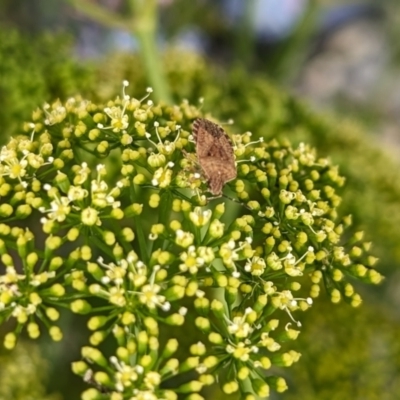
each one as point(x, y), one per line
point(324, 72)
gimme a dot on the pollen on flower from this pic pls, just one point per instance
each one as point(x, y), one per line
point(90, 217)
point(184, 239)
point(59, 209)
point(200, 217)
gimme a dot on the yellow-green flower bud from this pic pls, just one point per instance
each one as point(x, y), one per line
point(211, 361)
point(31, 260)
point(239, 186)
point(348, 290)
point(86, 253)
point(118, 251)
point(90, 217)
point(23, 211)
point(243, 373)
point(80, 306)
point(102, 378)
point(79, 367)
point(335, 296)
point(320, 255)
point(170, 348)
point(215, 338)
point(216, 229)
point(91, 394)
point(371, 260)
point(282, 360)
point(154, 200)
point(288, 334)
point(57, 290)
point(139, 179)
point(359, 270)
point(260, 303)
point(200, 218)
point(94, 134)
point(337, 275)
point(356, 300)
point(126, 139)
point(277, 383)
point(22, 317)
point(128, 318)
point(175, 319)
point(193, 386)
point(230, 387)
point(97, 322)
point(33, 330)
point(192, 288)
point(260, 387)
point(198, 349)
point(102, 147)
point(55, 333)
point(94, 355)
point(123, 354)
point(52, 314)
point(53, 243)
point(128, 234)
point(171, 366)
point(95, 270)
point(265, 193)
point(295, 286)
point(109, 238)
point(202, 305)
point(117, 214)
point(73, 234)
point(10, 340)
point(156, 160)
point(133, 210)
point(314, 291)
point(221, 280)
point(286, 197)
point(217, 308)
point(184, 239)
point(97, 337)
point(174, 293)
point(374, 277)
point(271, 325)
point(307, 218)
point(151, 325)
point(203, 324)
point(6, 210)
point(35, 299)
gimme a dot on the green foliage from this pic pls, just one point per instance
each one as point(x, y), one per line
point(128, 237)
point(24, 374)
point(347, 360)
point(32, 71)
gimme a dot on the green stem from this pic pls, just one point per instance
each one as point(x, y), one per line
point(146, 32)
point(295, 50)
point(100, 14)
point(153, 66)
point(143, 23)
point(245, 35)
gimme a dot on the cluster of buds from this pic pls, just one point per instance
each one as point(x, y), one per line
point(193, 292)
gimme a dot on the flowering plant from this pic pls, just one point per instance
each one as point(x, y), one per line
point(187, 285)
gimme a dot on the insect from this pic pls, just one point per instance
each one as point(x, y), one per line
point(215, 156)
